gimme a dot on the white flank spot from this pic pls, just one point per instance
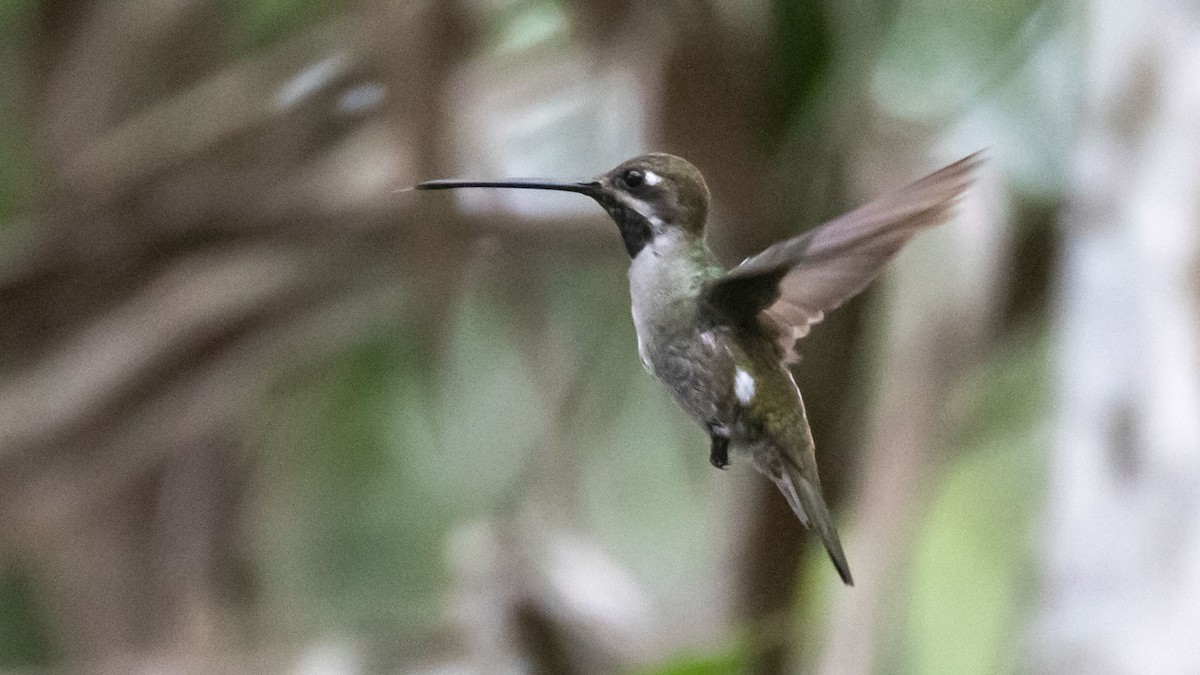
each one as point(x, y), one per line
point(708, 339)
point(652, 178)
point(743, 386)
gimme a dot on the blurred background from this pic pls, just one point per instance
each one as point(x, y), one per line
point(259, 412)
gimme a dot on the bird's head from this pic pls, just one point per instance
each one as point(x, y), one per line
point(647, 196)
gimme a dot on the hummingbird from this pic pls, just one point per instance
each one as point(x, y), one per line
point(722, 340)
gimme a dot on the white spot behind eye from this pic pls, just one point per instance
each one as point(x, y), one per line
point(652, 178)
point(743, 386)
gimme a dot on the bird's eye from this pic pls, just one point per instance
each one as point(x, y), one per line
point(633, 178)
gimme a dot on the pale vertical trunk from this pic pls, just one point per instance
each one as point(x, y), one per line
point(943, 296)
point(1121, 581)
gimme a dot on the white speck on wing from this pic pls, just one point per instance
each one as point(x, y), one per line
point(652, 178)
point(743, 386)
point(708, 339)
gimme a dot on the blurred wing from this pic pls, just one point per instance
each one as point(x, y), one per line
point(789, 286)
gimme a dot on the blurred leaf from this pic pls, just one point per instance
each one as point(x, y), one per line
point(941, 54)
point(18, 179)
point(730, 661)
point(519, 25)
point(260, 23)
point(588, 303)
point(23, 637)
point(489, 413)
point(348, 535)
point(800, 59)
point(975, 549)
point(645, 503)
point(1029, 120)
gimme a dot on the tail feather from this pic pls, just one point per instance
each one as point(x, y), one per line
point(805, 499)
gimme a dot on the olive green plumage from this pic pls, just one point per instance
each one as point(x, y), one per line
point(721, 340)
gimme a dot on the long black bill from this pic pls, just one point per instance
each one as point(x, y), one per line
point(583, 187)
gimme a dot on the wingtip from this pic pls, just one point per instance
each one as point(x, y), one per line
point(967, 167)
point(947, 185)
point(977, 157)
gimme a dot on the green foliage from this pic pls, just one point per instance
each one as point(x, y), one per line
point(257, 24)
point(729, 661)
point(348, 532)
point(800, 60)
point(963, 601)
point(23, 639)
point(370, 465)
point(18, 179)
point(971, 571)
point(521, 25)
point(941, 54)
point(1005, 73)
point(366, 466)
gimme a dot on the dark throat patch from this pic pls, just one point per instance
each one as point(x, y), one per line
point(635, 229)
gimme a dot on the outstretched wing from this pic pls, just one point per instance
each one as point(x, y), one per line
point(790, 285)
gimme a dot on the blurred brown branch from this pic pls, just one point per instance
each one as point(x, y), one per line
point(214, 226)
point(154, 309)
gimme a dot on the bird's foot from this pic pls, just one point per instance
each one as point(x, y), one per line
point(718, 454)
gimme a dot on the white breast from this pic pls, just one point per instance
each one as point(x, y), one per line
point(641, 324)
point(660, 278)
point(643, 351)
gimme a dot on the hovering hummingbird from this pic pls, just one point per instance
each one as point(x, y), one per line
point(721, 340)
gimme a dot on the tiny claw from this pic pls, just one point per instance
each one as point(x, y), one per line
point(718, 455)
